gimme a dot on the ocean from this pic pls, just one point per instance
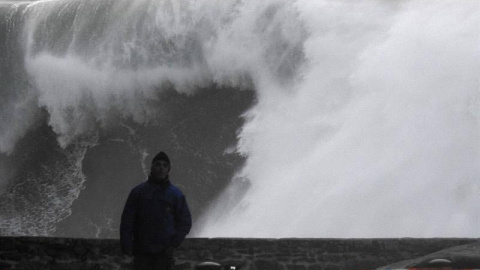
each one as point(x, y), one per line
point(307, 118)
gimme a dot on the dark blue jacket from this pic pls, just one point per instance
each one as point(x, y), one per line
point(155, 217)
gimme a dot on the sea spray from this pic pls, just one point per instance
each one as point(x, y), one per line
point(379, 139)
point(84, 67)
point(364, 121)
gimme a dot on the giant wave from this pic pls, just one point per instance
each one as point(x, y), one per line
point(284, 118)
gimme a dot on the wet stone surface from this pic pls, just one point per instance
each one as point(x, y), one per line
point(246, 254)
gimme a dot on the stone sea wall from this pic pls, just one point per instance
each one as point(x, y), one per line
point(38, 253)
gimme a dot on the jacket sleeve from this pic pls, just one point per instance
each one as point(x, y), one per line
point(183, 221)
point(127, 224)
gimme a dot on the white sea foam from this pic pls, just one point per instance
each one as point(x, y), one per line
point(366, 122)
point(38, 202)
point(379, 139)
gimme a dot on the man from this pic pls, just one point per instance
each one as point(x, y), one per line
point(155, 219)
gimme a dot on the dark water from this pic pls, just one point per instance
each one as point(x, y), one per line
point(196, 140)
point(46, 179)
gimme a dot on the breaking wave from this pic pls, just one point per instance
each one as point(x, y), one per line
point(364, 121)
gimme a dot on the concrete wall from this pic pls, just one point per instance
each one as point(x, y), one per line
point(39, 253)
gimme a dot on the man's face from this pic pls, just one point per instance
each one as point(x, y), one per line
point(160, 169)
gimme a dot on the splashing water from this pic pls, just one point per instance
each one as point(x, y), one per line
point(365, 123)
point(380, 138)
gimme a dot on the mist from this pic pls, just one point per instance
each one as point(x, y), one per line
point(285, 118)
point(380, 137)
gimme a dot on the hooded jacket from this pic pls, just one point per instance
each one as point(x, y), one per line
point(155, 217)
